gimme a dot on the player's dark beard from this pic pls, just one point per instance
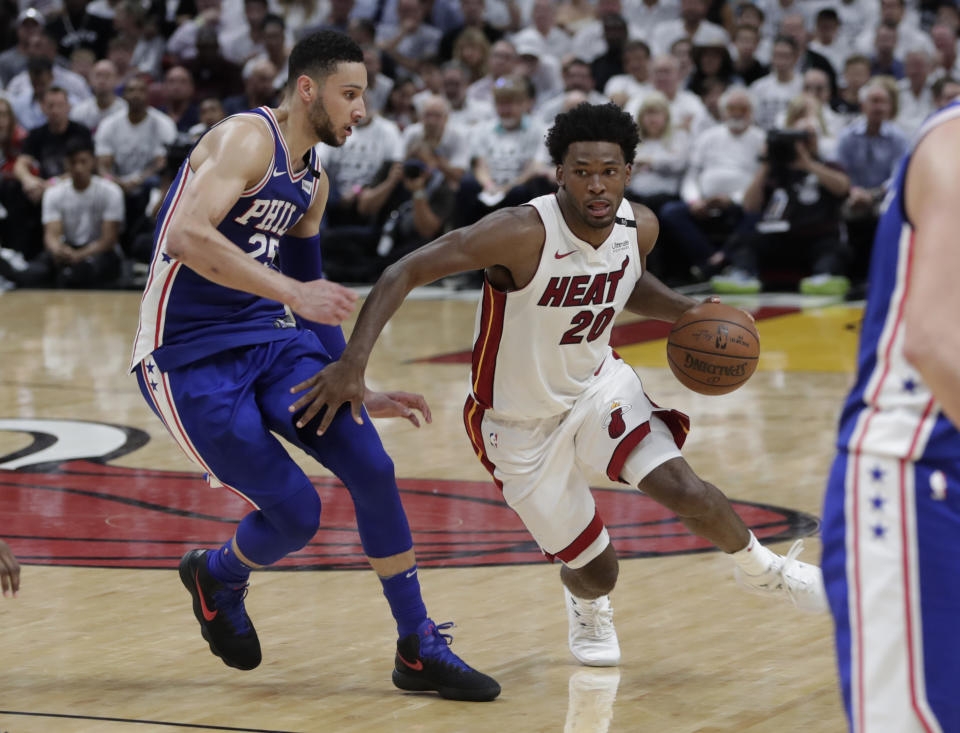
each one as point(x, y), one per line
point(322, 125)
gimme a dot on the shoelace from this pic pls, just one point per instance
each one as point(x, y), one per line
point(596, 616)
point(230, 602)
point(789, 561)
point(437, 646)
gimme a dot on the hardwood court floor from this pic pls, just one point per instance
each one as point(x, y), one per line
point(117, 648)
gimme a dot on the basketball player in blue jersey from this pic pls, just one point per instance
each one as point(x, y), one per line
point(891, 516)
point(550, 400)
point(217, 354)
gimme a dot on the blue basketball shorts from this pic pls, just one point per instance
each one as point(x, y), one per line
point(223, 411)
point(891, 565)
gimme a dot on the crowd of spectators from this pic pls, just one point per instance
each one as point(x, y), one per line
point(770, 128)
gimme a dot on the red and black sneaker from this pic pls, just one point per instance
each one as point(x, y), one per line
point(224, 622)
point(424, 662)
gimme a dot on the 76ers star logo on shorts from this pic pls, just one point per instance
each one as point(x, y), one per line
point(613, 423)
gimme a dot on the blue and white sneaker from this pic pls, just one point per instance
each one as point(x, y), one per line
point(424, 662)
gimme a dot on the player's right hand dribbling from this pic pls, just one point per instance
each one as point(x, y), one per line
point(323, 301)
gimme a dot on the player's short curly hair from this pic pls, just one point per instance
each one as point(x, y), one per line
point(319, 53)
point(593, 123)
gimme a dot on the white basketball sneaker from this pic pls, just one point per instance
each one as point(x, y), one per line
point(800, 582)
point(593, 640)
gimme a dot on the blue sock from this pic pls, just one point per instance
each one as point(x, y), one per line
point(403, 594)
point(225, 566)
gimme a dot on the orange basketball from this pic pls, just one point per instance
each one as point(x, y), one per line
point(713, 348)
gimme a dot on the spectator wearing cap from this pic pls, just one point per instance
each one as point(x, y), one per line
point(711, 63)
point(543, 27)
point(43, 46)
point(410, 39)
point(746, 41)
point(509, 156)
point(29, 105)
point(635, 79)
point(473, 17)
point(826, 39)
point(691, 24)
point(501, 62)
point(590, 41)
point(576, 78)
point(104, 102)
point(541, 68)
point(915, 100)
point(14, 59)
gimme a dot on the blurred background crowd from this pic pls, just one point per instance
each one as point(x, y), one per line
point(769, 129)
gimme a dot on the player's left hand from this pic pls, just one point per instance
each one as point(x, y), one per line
point(397, 404)
point(329, 388)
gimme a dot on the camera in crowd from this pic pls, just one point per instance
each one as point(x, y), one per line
point(782, 146)
point(413, 168)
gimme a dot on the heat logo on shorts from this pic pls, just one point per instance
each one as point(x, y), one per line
point(614, 423)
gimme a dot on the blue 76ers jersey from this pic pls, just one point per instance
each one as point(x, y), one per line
point(184, 316)
point(890, 411)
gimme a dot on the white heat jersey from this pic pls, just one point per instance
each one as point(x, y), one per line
point(538, 348)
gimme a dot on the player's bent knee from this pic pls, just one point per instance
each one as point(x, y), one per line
point(297, 518)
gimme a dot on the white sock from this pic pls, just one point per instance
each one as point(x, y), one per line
point(754, 559)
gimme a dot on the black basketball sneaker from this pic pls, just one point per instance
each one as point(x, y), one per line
point(424, 662)
point(224, 622)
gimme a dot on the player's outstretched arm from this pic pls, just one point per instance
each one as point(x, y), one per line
point(227, 161)
point(9, 571)
point(931, 338)
point(509, 238)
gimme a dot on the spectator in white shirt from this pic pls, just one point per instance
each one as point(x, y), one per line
point(464, 112)
point(661, 158)
point(687, 112)
point(915, 100)
point(131, 149)
point(576, 78)
point(509, 156)
point(909, 34)
point(773, 92)
point(541, 68)
point(635, 81)
point(722, 165)
point(692, 25)
point(543, 27)
point(411, 40)
point(438, 143)
point(501, 62)
point(827, 40)
point(82, 217)
point(104, 102)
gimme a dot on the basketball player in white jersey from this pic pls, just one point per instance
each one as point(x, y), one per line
point(550, 400)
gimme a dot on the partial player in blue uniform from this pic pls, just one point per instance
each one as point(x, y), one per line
point(225, 336)
point(891, 516)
